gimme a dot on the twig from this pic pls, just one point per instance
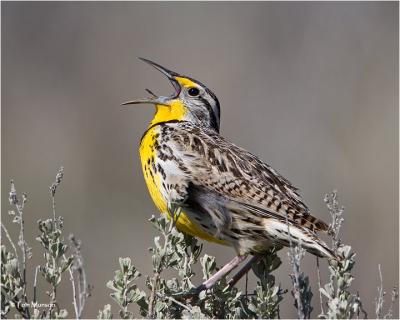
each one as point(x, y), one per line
point(13, 199)
point(86, 290)
point(296, 282)
point(53, 189)
point(152, 299)
point(11, 242)
point(174, 301)
point(176, 212)
point(35, 283)
point(23, 311)
point(341, 303)
point(83, 288)
point(247, 282)
point(380, 300)
point(319, 287)
point(72, 280)
point(395, 295)
point(156, 278)
point(23, 246)
point(360, 307)
point(336, 211)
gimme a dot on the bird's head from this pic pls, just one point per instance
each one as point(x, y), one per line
point(191, 101)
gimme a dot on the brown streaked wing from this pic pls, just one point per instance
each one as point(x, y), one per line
point(222, 167)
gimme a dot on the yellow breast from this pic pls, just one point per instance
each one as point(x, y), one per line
point(153, 178)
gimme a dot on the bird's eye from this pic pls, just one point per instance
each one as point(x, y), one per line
point(193, 92)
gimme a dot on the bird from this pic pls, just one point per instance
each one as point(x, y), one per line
point(224, 193)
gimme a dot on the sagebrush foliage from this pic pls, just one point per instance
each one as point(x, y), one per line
point(57, 262)
point(167, 298)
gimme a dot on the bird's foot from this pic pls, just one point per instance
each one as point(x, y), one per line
point(190, 295)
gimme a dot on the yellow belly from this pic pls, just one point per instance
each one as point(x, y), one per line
point(154, 184)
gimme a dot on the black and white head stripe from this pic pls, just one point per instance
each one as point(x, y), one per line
point(205, 107)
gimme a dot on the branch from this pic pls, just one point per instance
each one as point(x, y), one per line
point(295, 258)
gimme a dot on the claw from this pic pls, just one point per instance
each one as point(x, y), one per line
point(190, 295)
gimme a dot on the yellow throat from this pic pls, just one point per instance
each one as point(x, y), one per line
point(175, 111)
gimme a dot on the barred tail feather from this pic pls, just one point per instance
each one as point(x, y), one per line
point(314, 224)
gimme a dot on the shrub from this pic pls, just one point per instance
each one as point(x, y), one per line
point(169, 298)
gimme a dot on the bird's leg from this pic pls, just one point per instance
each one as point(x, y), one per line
point(209, 283)
point(243, 271)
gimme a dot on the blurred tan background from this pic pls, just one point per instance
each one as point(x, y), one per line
point(309, 87)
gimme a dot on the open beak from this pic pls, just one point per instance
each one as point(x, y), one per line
point(159, 99)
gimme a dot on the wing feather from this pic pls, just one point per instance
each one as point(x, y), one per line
point(222, 167)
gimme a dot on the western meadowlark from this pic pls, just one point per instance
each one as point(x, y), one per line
point(226, 194)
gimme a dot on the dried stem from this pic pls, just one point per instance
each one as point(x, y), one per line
point(152, 299)
point(11, 242)
point(319, 287)
point(13, 199)
point(82, 283)
point(83, 290)
point(14, 276)
point(53, 189)
point(395, 295)
point(35, 284)
point(336, 211)
point(174, 301)
point(246, 284)
point(23, 246)
point(381, 293)
point(176, 212)
point(74, 298)
point(296, 282)
point(22, 243)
